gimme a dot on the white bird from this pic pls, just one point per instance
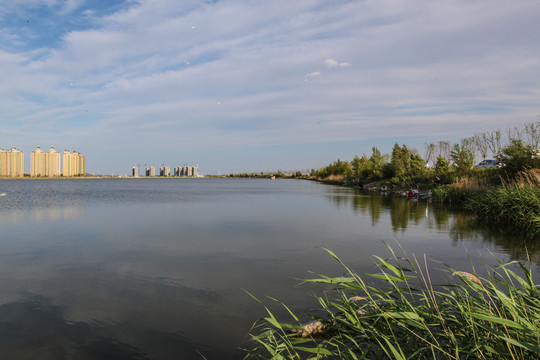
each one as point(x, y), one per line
point(3, 194)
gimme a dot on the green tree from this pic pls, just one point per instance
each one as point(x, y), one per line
point(400, 160)
point(417, 165)
point(377, 162)
point(405, 162)
point(361, 167)
point(442, 166)
point(518, 156)
point(463, 158)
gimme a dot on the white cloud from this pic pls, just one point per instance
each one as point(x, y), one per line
point(417, 68)
point(70, 5)
point(331, 63)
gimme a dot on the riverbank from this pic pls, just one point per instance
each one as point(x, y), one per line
point(515, 201)
point(98, 177)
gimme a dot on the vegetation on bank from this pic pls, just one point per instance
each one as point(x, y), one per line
point(443, 161)
point(509, 192)
point(279, 174)
point(409, 317)
point(516, 200)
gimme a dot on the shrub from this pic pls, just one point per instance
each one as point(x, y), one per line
point(518, 156)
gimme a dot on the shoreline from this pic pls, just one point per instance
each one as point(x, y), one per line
point(94, 177)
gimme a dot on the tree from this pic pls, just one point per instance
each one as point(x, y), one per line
point(405, 162)
point(430, 152)
point(494, 143)
point(417, 165)
point(377, 161)
point(442, 166)
point(361, 167)
point(518, 156)
point(400, 160)
point(462, 157)
point(532, 134)
point(444, 149)
point(514, 133)
point(481, 143)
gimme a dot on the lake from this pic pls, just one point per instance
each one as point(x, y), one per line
point(164, 268)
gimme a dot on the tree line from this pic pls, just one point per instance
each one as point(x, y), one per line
point(516, 151)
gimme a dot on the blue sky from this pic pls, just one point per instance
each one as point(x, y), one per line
point(245, 85)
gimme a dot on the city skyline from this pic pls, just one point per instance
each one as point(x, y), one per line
point(41, 163)
point(165, 170)
point(242, 86)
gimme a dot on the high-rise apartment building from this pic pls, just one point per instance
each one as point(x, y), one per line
point(45, 163)
point(11, 163)
point(135, 171)
point(74, 163)
point(185, 171)
point(151, 171)
point(164, 171)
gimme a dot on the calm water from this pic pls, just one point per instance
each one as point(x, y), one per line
point(160, 268)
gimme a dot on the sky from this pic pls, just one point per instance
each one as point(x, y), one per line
point(260, 85)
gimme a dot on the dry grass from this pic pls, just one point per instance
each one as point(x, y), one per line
point(336, 177)
point(468, 276)
point(525, 179)
point(470, 184)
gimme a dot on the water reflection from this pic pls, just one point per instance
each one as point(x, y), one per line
point(52, 214)
point(519, 244)
point(33, 328)
point(11, 217)
point(39, 215)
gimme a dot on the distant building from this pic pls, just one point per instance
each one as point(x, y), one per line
point(135, 171)
point(164, 171)
point(11, 163)
point(151, 171)
point(185, 171)
point(45, 163)
point(74, 163)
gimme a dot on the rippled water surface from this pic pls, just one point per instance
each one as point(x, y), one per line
point(162, 268)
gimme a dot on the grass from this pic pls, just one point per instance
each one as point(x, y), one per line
point(515, 201)
point(470, 317)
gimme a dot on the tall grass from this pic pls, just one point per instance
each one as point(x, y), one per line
point(461, 189)
point(517, 201)
point(470, 317)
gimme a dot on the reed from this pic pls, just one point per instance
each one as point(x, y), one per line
point(408, 317)
point(525, 179)
point(470, 184)
point(517, 201)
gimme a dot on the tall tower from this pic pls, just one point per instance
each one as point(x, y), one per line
point(14, 163)
point(74, 164)
point(53, 163)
